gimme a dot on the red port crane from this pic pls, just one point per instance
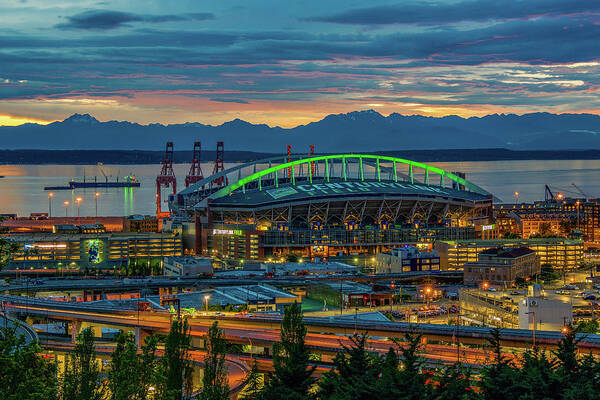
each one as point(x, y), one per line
point(289, 159)
point(165, 179)
point(219, 166)
point(312, 164)
point(195, 173)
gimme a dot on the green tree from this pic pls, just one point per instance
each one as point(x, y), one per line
point(81, 375)
point(292, 258)
point(7, 248)
point(214, 381)
point(253, 384)
point(547, 272)
point(591, 326)
point(24, 374)
point(356, 374)
point(454, 382)
point(292, 377)
point(175, 369)
point(121, 381)
point(499, 378)
point(410, 380)
point(132, 374)
point(567, 226)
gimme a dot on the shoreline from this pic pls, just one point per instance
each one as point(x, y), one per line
point(133, 157)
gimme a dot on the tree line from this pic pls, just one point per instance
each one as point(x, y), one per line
point(357, 372)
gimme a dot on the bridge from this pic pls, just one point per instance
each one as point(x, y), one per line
point(442, 343)
point(155, 283)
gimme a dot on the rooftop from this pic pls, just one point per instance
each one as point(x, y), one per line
point(513, 242)
point(512, 252)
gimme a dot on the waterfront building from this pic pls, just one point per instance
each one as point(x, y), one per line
point(406, 259)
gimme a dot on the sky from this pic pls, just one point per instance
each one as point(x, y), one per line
point(287, 63)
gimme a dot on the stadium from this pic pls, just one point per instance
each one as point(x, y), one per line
point(320, 206)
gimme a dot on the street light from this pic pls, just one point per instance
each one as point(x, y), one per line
point(96, 200)
point(427, 294)
point(50, 196)
point(78, 201)
point(516, 197)
point(533, 315)
point(577, 204)
point(206, 297)
point(66, 203)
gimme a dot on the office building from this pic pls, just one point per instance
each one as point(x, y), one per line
point(562, 254)
point(406, 259)
point(503, 266)
point(188, 266)
point(102, 251)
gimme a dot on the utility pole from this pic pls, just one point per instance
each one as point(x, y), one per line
point(50, 196)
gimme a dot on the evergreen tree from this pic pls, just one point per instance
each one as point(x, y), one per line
point(292, 378)
point(175, 370)
point(499, 379)
point(214, 381)
point(253, 384)
point(80, 380)
point(121, 381)
point(148, 368)
point(356, 374)
point(132, 374)
point(24, 374)
point(536, 377)
point(411, 380)
point(453, 383)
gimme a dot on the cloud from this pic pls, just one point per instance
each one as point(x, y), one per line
point(469, 10)
point(108, 19)
point(238, 101)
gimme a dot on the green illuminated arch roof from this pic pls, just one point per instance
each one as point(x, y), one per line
point(343, 158)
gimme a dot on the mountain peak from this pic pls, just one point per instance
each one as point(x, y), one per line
point(81, 119)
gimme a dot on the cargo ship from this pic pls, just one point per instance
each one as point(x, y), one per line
point(129, 181)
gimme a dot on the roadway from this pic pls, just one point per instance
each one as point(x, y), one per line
point(237, 367)
point(324, 334)
point(121, 284)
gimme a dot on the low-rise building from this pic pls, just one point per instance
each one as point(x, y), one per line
point(187, 266)
point(141, 223)
point(562, 254)
point(502, 266)
point(350, 294)
point(309, 268)
point(406, 259)
point(102, 251)
point(544, 314)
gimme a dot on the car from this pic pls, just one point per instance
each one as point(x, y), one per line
point(492, 289)
point(508, 298)
point(571, 287)
point(220, 314)
point(561, 291)
point(589, 297)
point(515, 293)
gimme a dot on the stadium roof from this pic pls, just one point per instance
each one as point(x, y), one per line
point(340, 189)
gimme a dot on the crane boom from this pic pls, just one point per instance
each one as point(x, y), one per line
point(585, 196)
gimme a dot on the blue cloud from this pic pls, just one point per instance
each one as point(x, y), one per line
point(107, 19)
point(469, 10)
